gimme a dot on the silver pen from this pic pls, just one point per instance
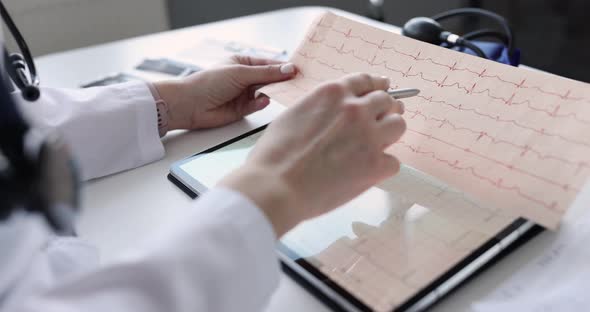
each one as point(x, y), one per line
point(403, 93)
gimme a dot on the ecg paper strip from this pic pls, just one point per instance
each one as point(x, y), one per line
point(514, 138)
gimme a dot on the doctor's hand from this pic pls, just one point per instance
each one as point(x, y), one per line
point(221, 95)
point(322, 152)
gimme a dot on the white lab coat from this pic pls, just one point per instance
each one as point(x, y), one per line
point(219, 257)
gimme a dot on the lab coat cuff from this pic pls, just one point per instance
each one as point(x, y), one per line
point(252, 212)
point(254, 230)
point(149, 142)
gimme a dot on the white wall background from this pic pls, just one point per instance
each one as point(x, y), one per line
point(56, 25)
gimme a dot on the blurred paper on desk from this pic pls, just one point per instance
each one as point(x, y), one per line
point(558, 279)
point(515, 139)
point(210, 52)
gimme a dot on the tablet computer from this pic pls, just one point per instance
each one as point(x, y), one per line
point(400, 246)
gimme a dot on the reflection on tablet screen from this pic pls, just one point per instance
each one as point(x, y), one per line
point(385, 245)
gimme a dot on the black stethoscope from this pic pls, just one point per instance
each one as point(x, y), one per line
point(37, 174)
point(20, 67)
point(429, 29)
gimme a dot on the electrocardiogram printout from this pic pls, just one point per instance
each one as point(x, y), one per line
point(514, 138)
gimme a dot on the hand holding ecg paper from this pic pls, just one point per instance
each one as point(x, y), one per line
point(516, 139)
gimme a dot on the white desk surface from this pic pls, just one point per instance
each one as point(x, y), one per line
point(120, 209)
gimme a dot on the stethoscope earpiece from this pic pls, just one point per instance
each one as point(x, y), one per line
point(31, 93)
point(21, 68)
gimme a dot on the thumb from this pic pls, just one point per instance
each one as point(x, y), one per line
point(263, 74)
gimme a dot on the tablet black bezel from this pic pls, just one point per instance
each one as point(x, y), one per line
point(320, 278)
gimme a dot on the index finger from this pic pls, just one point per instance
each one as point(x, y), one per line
point(253, 61)
point(363, 83)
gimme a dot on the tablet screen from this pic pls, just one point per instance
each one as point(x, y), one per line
point(384, 246)
point(209, 168)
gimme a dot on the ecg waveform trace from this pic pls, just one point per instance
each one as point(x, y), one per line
point(482, 135)
point(509, 102)
point(381, 46)
point(553, 112)
point(514, 138)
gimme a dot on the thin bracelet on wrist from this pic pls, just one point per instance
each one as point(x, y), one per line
point(161, 108)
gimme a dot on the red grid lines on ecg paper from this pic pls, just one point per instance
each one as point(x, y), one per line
point(382, 46)
point(377, 58)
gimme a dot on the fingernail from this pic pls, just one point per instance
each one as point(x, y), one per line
point(402, 106)
point(287, 68)
point(261, 103)
point(387, 80)
point(397, 116)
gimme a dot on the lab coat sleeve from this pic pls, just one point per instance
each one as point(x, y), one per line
point(220, 257)
point(108, 129)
